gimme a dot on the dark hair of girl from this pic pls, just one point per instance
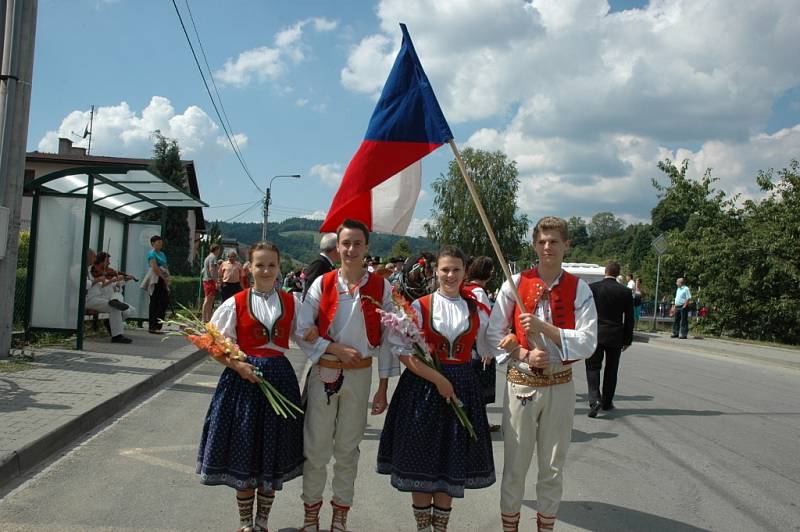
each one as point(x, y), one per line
point(452, 251)
point(263, 245)
point(480, 269)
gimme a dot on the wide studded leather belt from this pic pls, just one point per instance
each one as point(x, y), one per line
point(538, 379)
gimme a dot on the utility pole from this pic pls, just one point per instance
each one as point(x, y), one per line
point(266, 214)
point(91, 126)
point(18, 23)
point(268, 199)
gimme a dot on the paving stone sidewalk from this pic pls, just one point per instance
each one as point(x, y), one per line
point(65, 393)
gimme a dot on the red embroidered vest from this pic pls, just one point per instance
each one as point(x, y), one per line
point(562, 301)
point(371, 293)
point(252, 335)
point(438, 345)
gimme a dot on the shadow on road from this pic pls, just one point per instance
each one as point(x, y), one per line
point(584, 397)
point(647, 412)
point(578, 436)
point(604, 517)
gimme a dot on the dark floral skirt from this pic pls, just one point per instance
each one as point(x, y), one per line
point(423, 445)
point(245, 444)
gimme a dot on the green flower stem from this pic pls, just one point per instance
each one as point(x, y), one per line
point(279, 403)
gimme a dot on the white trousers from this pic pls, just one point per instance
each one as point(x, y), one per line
point(543, 424)
point(334, 430)
point(116, 317)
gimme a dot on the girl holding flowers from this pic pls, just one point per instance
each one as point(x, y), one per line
point(246, 444)
point(425, 448)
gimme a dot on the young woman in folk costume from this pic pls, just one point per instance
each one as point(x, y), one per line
point(245, 444)
point(479, 272)
point(423, 445)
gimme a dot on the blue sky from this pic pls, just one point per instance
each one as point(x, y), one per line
point(584, 95)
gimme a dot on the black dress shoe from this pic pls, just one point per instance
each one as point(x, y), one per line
point(673, 335)
point(119, 339)
point(154, 331)
point(594, 408)
point(117, 304)
point(682, 337)
point(608, 406)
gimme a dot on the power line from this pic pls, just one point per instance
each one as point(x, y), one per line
point(258, 202)
point(213, 102)
point(211, 75)
point(229, 205)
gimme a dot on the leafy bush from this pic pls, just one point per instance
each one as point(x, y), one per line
point(186, 291)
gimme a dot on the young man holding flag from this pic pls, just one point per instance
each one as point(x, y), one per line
point(342, 305)
point(380, 187)
point(540, 394)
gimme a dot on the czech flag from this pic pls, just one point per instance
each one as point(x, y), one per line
point(382, 182)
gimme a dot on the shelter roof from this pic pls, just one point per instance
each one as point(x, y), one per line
point(78, 157)
point(127, 190)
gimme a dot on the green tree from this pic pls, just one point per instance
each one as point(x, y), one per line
point(401, 249)
point(167, 164)
point(578, 233)
point(214, 234)
point(455, 218)
point(682, 198)
point(604, 225)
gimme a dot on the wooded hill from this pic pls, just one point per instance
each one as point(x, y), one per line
point(298, 238)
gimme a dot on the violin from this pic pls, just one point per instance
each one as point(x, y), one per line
point(110, 273)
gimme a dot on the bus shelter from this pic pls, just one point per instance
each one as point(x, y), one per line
point(91, 207)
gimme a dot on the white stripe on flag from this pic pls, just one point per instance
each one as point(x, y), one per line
point(393, 201)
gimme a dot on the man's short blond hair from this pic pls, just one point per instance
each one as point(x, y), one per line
point(551, 223)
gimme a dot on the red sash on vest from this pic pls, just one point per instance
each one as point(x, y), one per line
point(371, 293)
point(562, 301)
point(252, 335)
point(438, 345)
point(468, 292)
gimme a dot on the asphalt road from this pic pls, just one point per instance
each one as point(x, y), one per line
point(697, 443)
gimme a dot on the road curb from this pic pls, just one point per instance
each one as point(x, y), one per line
point(14, 463)
point(710, 348)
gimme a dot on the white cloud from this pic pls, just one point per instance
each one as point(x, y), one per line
point(324, 24)
point(259, 64)
point(416, 228)
point(264, 64)
point(316, 215)
point(240, 140)
point(119, 130)
point(330, 174)
point(587, 101)
point(301, 102)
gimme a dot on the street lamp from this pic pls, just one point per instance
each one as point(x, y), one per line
point(268, 200)
point(660, 246)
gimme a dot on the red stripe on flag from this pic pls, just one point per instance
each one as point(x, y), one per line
point(373, 163)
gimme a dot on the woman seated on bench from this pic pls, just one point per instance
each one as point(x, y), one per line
point(105, 295)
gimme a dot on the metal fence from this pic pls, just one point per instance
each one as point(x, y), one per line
point(20, 298)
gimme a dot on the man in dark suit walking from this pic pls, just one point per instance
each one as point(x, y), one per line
point(614, 303)
point(325, 261)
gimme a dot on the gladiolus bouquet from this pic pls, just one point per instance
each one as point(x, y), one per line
point(206, 336)
point(403, 322)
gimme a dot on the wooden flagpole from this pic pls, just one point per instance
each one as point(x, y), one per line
point(488, 226)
